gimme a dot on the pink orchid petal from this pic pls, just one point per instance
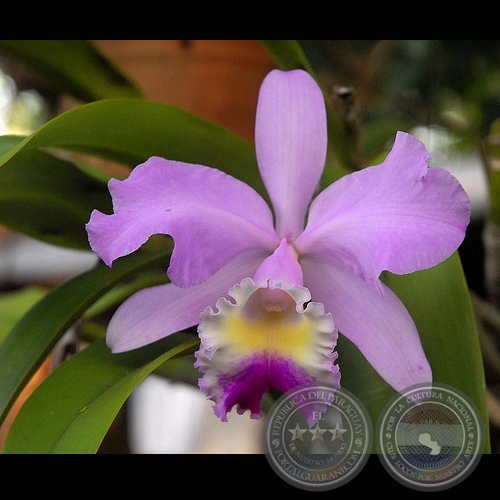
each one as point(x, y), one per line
point(154, 313)
point(290, 143)
point(399, 216)
point(211, 216)
point(378, 324)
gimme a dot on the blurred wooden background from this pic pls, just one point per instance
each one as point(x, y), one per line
point(216, 79)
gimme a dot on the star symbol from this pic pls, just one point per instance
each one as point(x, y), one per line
point(317, 432)
point(337, 432)
point(297, 433)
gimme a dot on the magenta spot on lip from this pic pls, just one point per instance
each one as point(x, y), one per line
point(259, 374)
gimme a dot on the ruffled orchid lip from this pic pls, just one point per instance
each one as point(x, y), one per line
point(247, 349)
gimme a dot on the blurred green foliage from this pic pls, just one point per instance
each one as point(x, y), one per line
point(404, 83)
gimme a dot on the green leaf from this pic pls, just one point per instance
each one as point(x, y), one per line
point(71, 411)
point(13, 306)
point(129, 131)
point(287, 54)
point(439, 302)
point(48, 198)
point(8, 142)
point(121, 292)
point(33, 337)
point(73, 67)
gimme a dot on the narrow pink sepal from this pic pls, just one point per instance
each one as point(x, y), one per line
point(290, 143)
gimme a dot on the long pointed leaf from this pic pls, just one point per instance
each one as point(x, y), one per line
point(129, 131)
point(71, 411)
point(287, 54)
point(29, 342)
point(48, 198)
point(72, 67)
point(438, 300)
point(14, 305)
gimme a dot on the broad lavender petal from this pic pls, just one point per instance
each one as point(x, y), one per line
point(378, 324)
point(399, 216)
point(290, 143)
point(211, 216)
point(155, 312)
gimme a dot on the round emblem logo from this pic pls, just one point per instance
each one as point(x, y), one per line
point(317, 437)
point(431, 437)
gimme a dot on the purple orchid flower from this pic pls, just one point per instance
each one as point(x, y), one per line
point(277, 288)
